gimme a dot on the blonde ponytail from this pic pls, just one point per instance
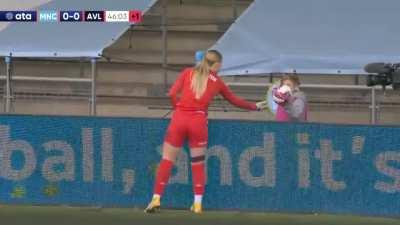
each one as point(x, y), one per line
point(202, 70)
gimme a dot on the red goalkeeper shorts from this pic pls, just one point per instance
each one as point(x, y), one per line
point(188, 125)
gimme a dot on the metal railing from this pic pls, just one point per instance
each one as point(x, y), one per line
point(325, 95)
point(9, 78)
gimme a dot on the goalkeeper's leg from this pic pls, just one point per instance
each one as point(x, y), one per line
point(163, 173)
point(198, 138)
point(198, 178)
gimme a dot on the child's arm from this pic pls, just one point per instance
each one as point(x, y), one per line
point(296, 107)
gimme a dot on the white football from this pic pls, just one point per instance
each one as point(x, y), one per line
point(284, 89)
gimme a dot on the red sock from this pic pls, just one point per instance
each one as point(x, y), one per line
point(198, 178)
point(163, 174)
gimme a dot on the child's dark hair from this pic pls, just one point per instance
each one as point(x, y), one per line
point(292, 77)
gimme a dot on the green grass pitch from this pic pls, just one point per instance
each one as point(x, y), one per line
point(60, 215)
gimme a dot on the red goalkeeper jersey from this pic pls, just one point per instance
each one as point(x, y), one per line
point(215, 85)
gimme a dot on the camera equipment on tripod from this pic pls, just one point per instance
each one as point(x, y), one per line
point(385, 74)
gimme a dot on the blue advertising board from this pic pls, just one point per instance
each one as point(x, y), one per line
point(263, 166)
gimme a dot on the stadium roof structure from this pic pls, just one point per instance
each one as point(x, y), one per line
point(311, 36)
point(81, 40)
point(67, 40)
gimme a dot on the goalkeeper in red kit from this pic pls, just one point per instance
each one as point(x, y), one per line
point(191, 95)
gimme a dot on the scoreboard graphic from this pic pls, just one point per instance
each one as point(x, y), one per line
point(132, 16)
point(70, 16)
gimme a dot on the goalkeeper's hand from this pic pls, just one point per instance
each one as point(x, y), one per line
point(262, 105)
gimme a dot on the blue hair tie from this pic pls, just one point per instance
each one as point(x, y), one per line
point(199, 55)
